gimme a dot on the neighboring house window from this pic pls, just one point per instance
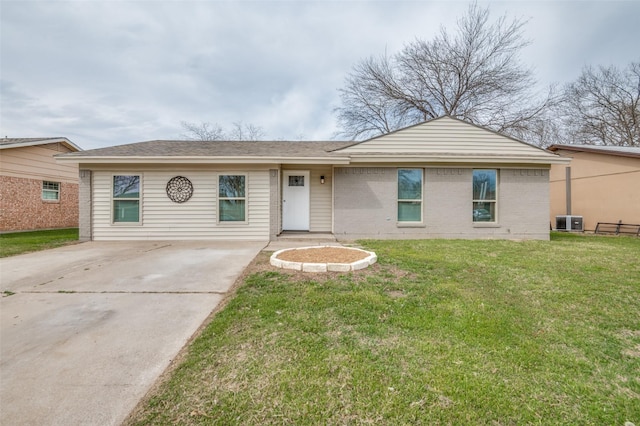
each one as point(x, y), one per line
point(126, 199)
point(51, 191)
point(410, 195)
point(485, 190)
point(232, 198)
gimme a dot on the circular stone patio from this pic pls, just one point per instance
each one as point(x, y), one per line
point(323, 259)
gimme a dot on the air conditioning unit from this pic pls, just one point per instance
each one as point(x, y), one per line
point(569, 223)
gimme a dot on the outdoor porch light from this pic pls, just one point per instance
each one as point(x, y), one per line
point(322, 179)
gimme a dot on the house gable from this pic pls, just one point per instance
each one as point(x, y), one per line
point(447, 139)
point(37, 161)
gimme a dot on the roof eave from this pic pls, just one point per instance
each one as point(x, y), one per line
point(593, 150)
point(343, 160)
point(63, 141)
point(198, 160)
point(444, 158)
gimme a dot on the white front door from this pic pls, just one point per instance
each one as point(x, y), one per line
point(295, 200)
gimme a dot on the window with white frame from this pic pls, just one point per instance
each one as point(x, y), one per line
point(232, 198)
point(50, 191)
point(409, 195)
point(485, 195)
point(126, 199)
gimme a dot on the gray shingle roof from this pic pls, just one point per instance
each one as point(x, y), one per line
point(177, 148)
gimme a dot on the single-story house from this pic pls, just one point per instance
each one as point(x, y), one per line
point(604, 184)
point(36, 191)
point(444, 178)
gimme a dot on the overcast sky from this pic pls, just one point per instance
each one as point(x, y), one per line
point(111, 72)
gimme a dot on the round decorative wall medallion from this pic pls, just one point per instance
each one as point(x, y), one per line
point(179, 189)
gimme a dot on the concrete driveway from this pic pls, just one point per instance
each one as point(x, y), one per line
point(91, 326)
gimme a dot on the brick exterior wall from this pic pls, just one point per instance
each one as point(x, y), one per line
point(365, 205)
point(22, 207)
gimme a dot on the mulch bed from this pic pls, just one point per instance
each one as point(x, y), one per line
point(323, 255)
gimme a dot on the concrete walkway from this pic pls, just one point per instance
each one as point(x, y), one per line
point(90, 327)
point(301, 239)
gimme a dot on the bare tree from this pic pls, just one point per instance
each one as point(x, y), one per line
point(126, 186)
point(214, 132)
point(602, 106)
point(547, 127)
point(203, 131)
point(246, 132)
point(474, 74)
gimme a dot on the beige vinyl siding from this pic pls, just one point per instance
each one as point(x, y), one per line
point(163, 219)
point(320, 219)
point(446, 136)
point(37, 162)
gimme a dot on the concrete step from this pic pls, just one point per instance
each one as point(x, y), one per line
point(306, 236)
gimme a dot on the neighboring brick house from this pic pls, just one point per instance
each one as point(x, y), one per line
point(36, 192)
point(444, 178)
point(604, 184)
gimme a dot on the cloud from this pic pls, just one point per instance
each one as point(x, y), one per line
point(112, 72)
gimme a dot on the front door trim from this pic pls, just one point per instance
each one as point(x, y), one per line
point(296, 202)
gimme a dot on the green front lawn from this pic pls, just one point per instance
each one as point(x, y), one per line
point(23, 242)
point(438, 332)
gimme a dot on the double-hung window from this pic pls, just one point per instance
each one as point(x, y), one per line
point(126, 199)
point(232, 198)
point(50, 191)
point(410, 195)
point(485, 191)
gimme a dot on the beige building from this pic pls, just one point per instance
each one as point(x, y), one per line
point(604, 184)
point(36, 192)
point(444, 178)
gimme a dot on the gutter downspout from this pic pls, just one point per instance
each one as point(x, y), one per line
point(568, 189)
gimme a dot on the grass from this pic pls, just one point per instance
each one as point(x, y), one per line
point(438, 332)
point(23, 242)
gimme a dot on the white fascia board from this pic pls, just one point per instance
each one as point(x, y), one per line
point(458, 159)
point(201, 160)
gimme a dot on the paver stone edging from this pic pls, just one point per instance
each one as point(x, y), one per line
point(323, 267)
